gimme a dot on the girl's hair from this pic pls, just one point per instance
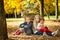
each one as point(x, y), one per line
point(27, 17)
point(46, 27)
point(42, 19)
point(34, 22)
point(37, 16)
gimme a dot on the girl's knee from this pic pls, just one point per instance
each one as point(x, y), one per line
point(21, 29)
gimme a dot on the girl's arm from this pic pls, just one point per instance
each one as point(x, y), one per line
point(38, 26)
point(34, 25)
point(30, 25)
point(21, 25)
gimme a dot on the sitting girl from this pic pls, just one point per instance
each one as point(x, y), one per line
point(41, 29)
point(25, 27)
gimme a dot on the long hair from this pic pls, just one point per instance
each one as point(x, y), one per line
point(34, 22)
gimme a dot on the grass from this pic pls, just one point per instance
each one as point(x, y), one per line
point(52, 26)
point(20, 19)
point(14, 19)
point(51, 17)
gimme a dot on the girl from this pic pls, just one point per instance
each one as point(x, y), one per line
point(36, 24)
point(36, 21)
point(40, 29)
point(44, 30)
point(25, 27)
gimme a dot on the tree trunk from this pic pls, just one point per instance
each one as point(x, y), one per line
point(48, 13)
point(3, 27)
point(56, 11)
point(15, 13)
point(42, 8)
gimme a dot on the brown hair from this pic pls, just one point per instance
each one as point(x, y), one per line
point(42, 19)
point(28, 17)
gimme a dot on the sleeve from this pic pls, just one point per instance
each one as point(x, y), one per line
point(21, 25)
point(31, 25)
point(38, 26)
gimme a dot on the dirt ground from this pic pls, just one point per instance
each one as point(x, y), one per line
point(13, 26)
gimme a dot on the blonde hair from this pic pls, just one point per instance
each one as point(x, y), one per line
point(34, 22)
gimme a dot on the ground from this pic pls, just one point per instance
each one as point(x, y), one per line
point(13, 25)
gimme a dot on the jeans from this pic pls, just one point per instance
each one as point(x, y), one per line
point(39, 33)
point(49, 33)
point(28, 31)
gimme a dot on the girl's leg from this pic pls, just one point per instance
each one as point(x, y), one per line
point(49, 33)
point(55, 32)
point(28, 31)
point(35, 31)
point(19, 31)
point(39, 33)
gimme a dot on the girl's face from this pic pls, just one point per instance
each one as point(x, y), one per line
point(41, 21)
point(28, 20)
point(37, 19)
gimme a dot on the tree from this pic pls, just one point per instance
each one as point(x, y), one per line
point(3, 28)
point(48, 12)
point(49, 7)
point(42, 8)
point(56, 9)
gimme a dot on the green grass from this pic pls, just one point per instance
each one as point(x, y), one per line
point(21, 19)
point(51, 17)
point(14, 19)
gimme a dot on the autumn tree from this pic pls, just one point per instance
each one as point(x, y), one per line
point(42, 8)
point(56, 8)
point(3, 27)
point(49, 7)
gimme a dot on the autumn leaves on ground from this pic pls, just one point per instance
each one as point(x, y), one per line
point(12, 26)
